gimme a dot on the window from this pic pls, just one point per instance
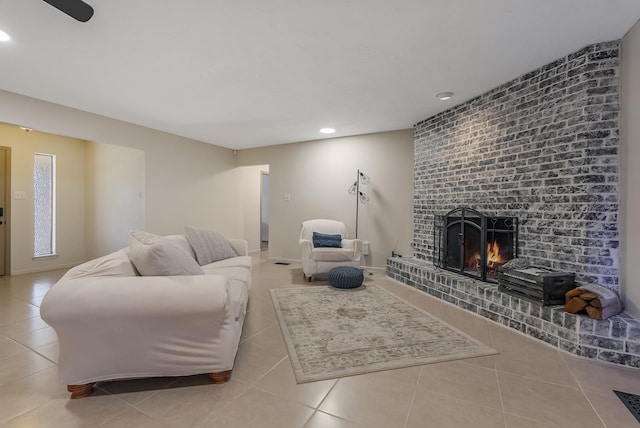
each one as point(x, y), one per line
point(44, 204)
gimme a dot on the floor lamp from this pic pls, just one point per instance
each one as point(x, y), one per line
point(361, 198)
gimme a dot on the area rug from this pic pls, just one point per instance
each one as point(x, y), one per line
point(333, 333)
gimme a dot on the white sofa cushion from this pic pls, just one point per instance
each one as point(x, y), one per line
point(154, 256)
point(239, 261)
point(231, 272)
point(208, 245)
point(331, 254)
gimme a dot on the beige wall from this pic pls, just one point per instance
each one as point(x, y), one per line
point(317, 176)
point(70, 204)
point(186, 181)
point(630, 171)
point(114, 186)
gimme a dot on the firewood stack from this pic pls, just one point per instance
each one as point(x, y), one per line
point(593, 300)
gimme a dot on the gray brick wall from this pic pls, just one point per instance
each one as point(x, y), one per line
point(543, 148)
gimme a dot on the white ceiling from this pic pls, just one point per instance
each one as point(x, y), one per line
point(250, 73)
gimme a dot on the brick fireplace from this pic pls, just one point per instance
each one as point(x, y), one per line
point(543, 149)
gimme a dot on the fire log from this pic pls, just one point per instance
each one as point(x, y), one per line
point(594, 313)
point(593, 300)
point(588, 296)
point(573, 293)
point(575, 305)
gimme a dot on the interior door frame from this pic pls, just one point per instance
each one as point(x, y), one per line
point(263, 175)
point(7, 211)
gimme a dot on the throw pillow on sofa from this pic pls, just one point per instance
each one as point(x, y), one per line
point(209, 246)
point(326, 240)
point(153, 256)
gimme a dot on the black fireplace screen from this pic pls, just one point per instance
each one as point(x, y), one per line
point(468, 242)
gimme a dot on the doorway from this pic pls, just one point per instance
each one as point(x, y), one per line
point(264, 210)
point(5, 202)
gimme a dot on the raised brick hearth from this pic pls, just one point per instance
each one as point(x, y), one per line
point(615, 340)
point(542, 148)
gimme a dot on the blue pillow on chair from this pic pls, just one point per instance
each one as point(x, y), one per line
point(325, 240)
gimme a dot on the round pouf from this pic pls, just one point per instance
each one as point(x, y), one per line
point(345, 277)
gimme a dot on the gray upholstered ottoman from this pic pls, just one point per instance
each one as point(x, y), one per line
point(345, 277)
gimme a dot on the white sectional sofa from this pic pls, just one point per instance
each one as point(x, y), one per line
point(113, 323)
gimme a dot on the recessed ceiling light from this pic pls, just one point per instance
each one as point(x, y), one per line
point(25, 129)
point(4, 37)
point(443, 96)
point(327, 130)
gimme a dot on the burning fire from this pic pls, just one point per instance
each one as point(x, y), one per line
point(493, 254)
point(493, 257)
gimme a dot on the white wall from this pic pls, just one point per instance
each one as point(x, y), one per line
point(114, 188)
point(630, 172)
point(70, 212)
point(186, 181)
point(317, 176)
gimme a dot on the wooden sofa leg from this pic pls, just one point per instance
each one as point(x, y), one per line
point(80, 391)
point(220, 377)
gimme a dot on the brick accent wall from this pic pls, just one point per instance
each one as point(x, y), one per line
point(543, 148)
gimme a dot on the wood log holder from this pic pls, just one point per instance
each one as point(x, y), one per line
point(595, 301)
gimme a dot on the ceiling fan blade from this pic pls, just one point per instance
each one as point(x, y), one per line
point(77, 9)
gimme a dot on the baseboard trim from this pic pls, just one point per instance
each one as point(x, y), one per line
point(280, 259)
point(44, 268)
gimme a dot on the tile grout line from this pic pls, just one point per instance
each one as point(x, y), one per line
point(119, 413)
point(265, 374)
point(413, 397)
point(325, 413)
point(135, 406)
point(3, 422)
point(560, 352)
point(272, 394)
point(255, 334)
point(495, 370)
point(559, 355)
point(326, 395)
point(44, 356)
point(584, 394)
point(317, 409)
point(230, 402)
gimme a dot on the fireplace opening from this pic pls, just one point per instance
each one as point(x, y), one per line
point(473, 244)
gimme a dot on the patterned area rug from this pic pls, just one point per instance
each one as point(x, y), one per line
point(333, 333)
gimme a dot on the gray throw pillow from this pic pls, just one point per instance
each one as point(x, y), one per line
point(209, 246)
point(153, 256)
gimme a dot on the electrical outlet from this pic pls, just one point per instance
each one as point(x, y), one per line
point(19, 194)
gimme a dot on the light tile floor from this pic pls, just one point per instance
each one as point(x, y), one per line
point(527, 385)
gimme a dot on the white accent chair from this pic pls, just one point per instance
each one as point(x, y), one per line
point(322, 260)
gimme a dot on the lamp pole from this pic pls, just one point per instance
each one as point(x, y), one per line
point(357, 199)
